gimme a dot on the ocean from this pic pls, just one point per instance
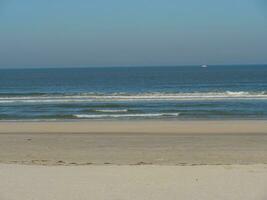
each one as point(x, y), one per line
point(189, 92)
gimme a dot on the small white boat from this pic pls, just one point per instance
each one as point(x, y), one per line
point(204, 66)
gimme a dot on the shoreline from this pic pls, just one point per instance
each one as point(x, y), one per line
point(138, 126)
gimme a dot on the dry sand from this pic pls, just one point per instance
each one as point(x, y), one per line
point(23, 182)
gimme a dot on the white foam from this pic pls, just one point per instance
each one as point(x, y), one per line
point(241, 93)
point(126, 115)
point(136, 97)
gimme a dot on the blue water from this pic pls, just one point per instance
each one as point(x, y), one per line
point(191, 92)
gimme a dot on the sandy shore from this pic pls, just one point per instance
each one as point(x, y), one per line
point(147, 126)
point(133, 160)
point(134, 143)
point(235, 182)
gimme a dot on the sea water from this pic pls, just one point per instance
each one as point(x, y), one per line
point(184, 92)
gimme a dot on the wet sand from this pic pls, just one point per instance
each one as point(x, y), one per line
point(144, 126)
point(134, 143)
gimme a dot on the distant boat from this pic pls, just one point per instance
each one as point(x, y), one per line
point(204, 66)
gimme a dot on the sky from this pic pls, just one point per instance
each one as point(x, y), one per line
point(70, 33)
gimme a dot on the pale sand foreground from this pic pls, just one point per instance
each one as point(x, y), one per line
point(24, 182)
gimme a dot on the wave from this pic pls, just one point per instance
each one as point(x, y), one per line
point(126, 115)
point(112, 111)
point(93, 97)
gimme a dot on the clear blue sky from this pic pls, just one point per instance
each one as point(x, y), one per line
point(36, 33)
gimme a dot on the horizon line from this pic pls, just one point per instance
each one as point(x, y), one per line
point(120, 66)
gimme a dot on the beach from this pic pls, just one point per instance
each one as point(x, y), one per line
point(237, 182)
point(134, 142)
point(133, 100)
point(151, 159)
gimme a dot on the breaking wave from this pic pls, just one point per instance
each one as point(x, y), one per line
point(92, 97)
point(147, 115)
